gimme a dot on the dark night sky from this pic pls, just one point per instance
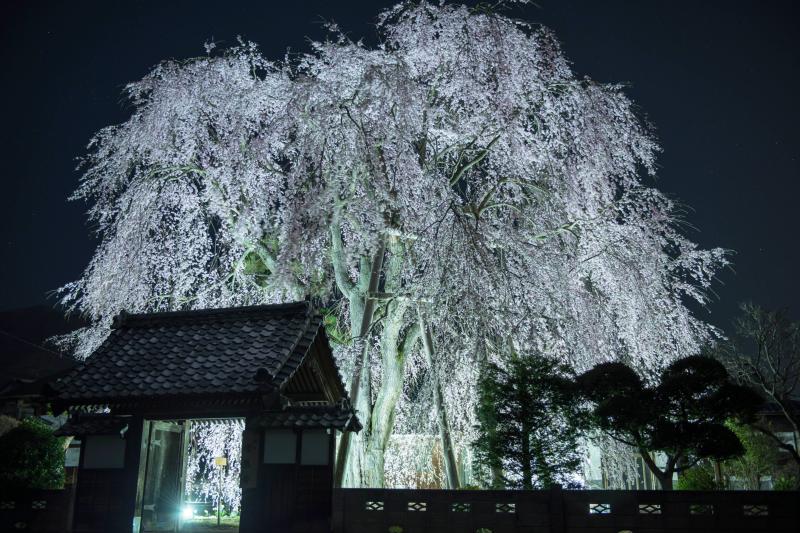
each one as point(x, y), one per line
point(719, 79)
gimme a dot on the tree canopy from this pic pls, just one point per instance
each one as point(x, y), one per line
point(452, 186)
point(682, 415)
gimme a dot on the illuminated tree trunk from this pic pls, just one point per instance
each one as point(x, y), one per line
point(450, 466)
point(360, 459)
point(381, 422)
point(360, 304)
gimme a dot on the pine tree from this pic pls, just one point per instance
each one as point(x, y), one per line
point(681, 415)
point(530, 424)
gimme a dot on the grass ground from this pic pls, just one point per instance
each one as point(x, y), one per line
point(208, 524)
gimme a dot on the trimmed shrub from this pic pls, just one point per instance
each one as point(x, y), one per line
point(31, 457)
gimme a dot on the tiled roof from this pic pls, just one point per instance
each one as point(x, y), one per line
point(341, 418)
point(90, 424)
point(206, 352)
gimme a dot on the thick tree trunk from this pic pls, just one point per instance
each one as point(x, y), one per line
point(378, 418)
point(372, 466)
point(382, 420)
point(664, 477)
point(356, 458)
point(525, 453)
point(718, 474)
point(450, 466)
point(360, 298)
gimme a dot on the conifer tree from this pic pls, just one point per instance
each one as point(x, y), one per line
point(682, 415)
point(530, 424)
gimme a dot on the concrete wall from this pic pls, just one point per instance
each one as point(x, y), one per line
point(558, 511)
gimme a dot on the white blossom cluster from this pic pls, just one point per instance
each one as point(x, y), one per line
point(205, 481)
point(503, 193)
point(410, 463)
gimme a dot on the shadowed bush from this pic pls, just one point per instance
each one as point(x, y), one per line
point(31, 457)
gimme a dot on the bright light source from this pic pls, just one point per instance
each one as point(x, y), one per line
point(187, 512)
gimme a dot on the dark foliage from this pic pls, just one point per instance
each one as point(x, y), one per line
point(31, 457)
point(683, 415)
point(699, 477)
point(530, 423)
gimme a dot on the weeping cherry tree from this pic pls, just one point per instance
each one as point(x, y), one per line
point(450, 195)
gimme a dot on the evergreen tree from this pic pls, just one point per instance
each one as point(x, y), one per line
point(683, 415)
point(530, 423)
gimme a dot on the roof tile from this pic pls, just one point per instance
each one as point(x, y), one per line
point(213, 351)
point(334, 417)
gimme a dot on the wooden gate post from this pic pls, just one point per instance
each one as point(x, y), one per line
point(248, 480)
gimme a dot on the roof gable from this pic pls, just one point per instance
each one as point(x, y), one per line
point(233, 351)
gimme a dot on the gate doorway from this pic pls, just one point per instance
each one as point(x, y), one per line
point(212, 475)
point(159, 374)
point(186, 476)
point(162, 483)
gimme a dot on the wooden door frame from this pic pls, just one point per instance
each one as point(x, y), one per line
point(148, 426)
